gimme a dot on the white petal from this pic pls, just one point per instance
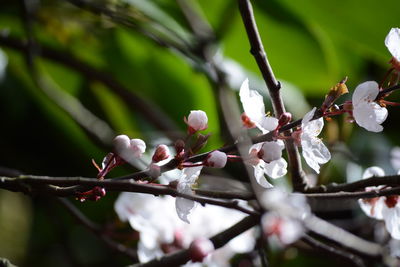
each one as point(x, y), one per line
point(314, 127)
point(372, 209)
point(392, 218)
point(271, 151)
point(373, 171)
point(308, 116)
point(276, 168)
point(315, 152)
point(253, 103)
point(392, 42)
point(184, 206)
point(190, 174)
point(259, 171)
point(268, 124)
point(370, 116)
point(365, 92)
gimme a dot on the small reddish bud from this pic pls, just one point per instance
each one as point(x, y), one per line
point(161, 153)
point(216, 159)
point(200, 248)
point(284, 119)
point(179, 146)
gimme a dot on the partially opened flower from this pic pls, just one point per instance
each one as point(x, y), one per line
point(313, 149)
point(266, 158)
point(216, 159)
point(254, 110)
point(392, 42)
point(366, 112)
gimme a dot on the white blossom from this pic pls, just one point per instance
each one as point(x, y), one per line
point(156, 221)
point(253, 106)
point(197, 121)
point(367, 113)
point(274, 165)
point(285, 229)
point(392, 42)
point(313, 149)
point(128, 149)
point(216, 159)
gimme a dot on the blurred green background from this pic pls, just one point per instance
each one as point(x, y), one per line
point(65, 109)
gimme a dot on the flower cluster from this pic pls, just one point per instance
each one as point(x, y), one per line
point(162, 232)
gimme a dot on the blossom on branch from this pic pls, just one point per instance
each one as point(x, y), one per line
point(313, 149)
point(254, 110)
point(216, 159)
point(162, 232)
point(366, 112)
point(128, 149)
point(197, 121)
point(392, 42)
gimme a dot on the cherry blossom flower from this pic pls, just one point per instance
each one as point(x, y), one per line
point(197, 121)
point(161, 231)
point(367, 113)
point(313, 149)
point(254, 110)
point(283, 223)
point(128, 149)
point(266, 158)
point(185, 206)
point(216, 159)
point(392, 42)
point(386, 208)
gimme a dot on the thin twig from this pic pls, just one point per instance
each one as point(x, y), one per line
point(257, 50)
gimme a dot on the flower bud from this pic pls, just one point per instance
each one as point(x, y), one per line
point(161, 153)
point(200, 248)
point(179, 146)
point(138, 147)
point(154, 171)
point(216, 159)
point(284, 119)
point(127, 148)
point(197, 121)
point(271, 151)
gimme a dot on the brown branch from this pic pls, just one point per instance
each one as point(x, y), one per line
point(219, 240)
point(257, 50)
point(356, 195)
point(97, 230)
point(68, 186)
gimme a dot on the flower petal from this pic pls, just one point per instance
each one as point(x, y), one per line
point(259, 171)
point(253, 103)
point(370, 116)
point(392, 42)
point(184, 206)
point(365, 92)
point(314, 152)
point(276, 168)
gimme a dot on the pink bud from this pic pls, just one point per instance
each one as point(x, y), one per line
point(284, 119)
point(200, 248)
point(121, 143)
point(197, 121)
point(138, 147)
point(161, 153)
point(216, 159)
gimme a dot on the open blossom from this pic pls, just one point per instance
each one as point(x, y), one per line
point(216, 159)
point(392, 42)
point(128, 149)
point(313, 149)
point(266, 158)
point(197, 121)
point(161, 231)
point(366, 112)
point(386, 208)
point(283, 222)
point(253, 106)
